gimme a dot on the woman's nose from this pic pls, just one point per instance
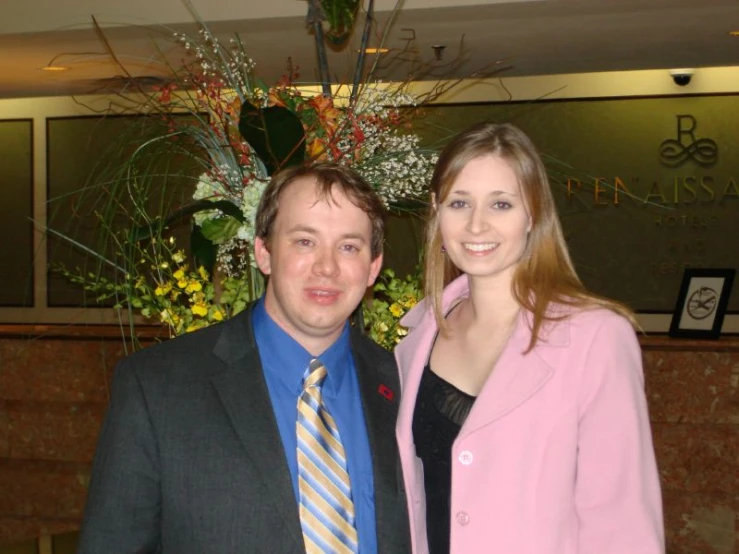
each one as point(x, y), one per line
point(476, 223)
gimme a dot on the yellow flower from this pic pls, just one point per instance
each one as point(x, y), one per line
point(203, 273)
point(178, 257)
point(409, 302)
point(169, 317)
point(193, 286)
point(195, 325)
point(396, 310)
point(179, 274)
point(218, 315)
point(163, 289)
point(199, 309)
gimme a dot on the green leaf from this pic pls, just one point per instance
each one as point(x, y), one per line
point(275, 133)
point(203, 249)
point(155, 228)
point(340, 16)
point(221, 229)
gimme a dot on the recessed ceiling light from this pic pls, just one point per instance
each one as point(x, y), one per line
point(734, 33)
point(54, 68)
point(376, 50)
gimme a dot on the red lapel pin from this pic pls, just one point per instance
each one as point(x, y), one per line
point(386, 392)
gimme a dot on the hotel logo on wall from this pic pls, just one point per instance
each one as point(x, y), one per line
point(686, 147)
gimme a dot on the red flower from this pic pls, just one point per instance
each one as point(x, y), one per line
point(165, 92)
point(386, 392)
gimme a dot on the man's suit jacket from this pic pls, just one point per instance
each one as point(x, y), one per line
point(190, 459)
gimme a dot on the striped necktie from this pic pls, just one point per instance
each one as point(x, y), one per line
point(326, 507)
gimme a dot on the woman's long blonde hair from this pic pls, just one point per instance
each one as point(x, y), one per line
point(545, 274)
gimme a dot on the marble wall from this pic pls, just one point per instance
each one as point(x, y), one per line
point(54, 391)
point(693, 393)
point(53, 396)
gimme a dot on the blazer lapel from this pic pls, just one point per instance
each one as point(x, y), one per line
point(412, 356)
point(515, 378)
point(378, 388)
point(245, 397)
point(413, 353)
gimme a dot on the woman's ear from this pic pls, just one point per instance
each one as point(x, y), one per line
point(434, 205)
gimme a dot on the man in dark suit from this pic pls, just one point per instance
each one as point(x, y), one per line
point(198, 451)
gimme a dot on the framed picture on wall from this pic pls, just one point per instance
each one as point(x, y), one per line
point(701, 303)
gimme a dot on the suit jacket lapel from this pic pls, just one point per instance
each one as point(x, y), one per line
point(378, 384)
point(245, 397)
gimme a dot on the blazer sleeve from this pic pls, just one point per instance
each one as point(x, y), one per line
point(123, 504)
point(617, 491)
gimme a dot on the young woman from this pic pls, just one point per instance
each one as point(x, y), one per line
point(523, 425)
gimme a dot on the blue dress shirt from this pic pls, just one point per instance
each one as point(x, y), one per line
point(284, 362)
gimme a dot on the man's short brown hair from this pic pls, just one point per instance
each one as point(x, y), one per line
point(327, 176)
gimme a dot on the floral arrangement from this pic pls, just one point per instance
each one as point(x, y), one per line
point(166, 289)
point(239, 131)
point(255, 129)
point(392, 299)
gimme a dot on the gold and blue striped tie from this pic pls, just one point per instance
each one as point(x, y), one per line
point(326, 508)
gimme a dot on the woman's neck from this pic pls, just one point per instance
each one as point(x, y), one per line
point(491, 300)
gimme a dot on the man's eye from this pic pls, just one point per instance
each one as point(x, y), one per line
point(350, 248)
point(303, 242)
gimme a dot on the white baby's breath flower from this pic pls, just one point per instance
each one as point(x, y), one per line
point(252, 194)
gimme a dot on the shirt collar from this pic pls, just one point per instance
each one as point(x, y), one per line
point(289, 360)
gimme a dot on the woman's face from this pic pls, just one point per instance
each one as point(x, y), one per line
point(484, 222)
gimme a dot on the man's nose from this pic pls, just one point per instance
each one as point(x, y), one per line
point(326, 263)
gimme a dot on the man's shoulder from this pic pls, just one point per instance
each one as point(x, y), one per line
point(191, 353)
point(179, 345)
point(368, 347)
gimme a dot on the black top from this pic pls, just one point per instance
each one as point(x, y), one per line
point(441, 409)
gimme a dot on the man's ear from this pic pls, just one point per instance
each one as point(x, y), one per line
point(262, 256)
point(375, 267)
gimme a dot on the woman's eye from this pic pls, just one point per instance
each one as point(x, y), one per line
point(456, 204)
point(502, 205)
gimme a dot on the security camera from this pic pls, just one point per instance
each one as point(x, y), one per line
point(681, 77)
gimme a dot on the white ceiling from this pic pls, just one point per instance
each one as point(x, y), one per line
point(533, 37)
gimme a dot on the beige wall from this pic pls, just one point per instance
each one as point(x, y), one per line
point(593, 85)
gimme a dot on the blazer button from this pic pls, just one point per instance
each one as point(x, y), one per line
point(463, 518)
point(465, 457)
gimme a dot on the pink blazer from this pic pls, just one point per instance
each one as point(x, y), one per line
point(556, 456)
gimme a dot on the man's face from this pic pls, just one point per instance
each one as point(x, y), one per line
point(319, 261)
